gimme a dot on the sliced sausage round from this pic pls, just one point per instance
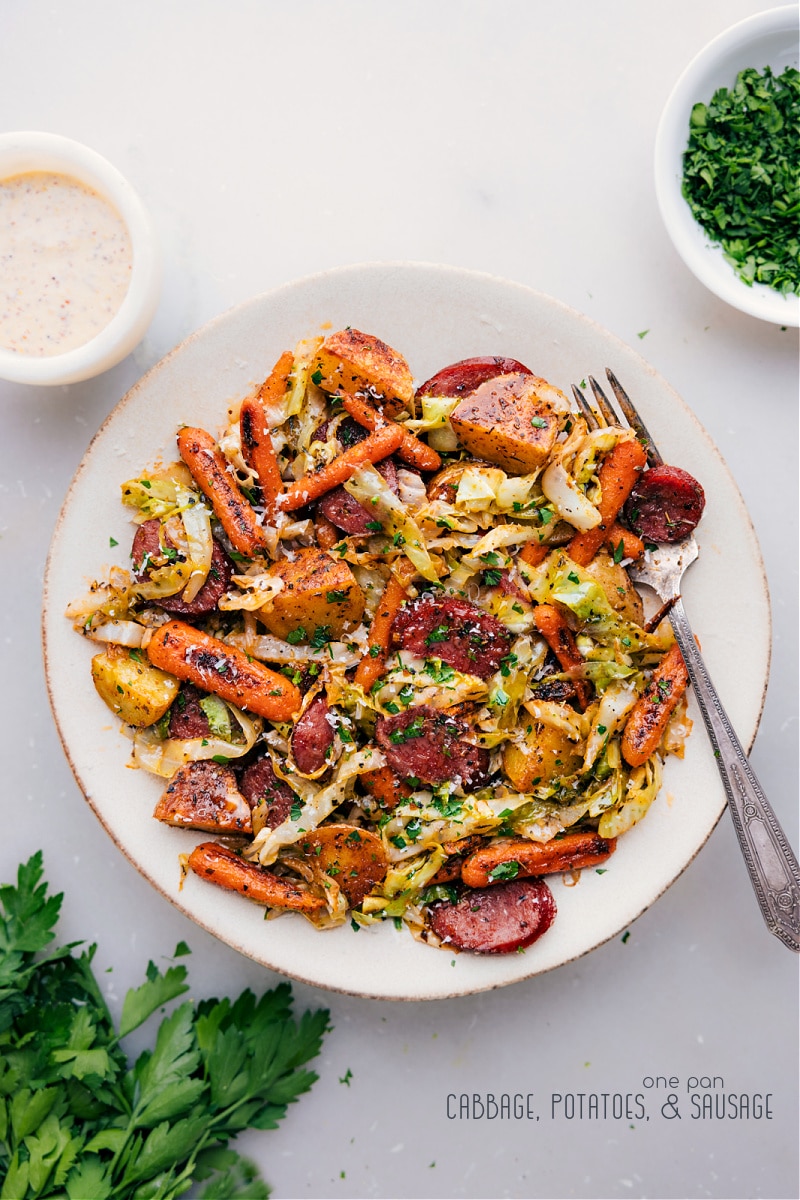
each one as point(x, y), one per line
point(186, 717)
point(147, 547)
point(312, 736)
point(461, 378)
point(454, 630)
point(428, 744)
point(665, 505)
point(496, 920)
point(259, 785)
point(345, 512)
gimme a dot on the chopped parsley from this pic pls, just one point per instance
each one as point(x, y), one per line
point(740, 175)
point(506, 870)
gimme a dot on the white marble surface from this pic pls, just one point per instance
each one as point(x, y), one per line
point(272, 139)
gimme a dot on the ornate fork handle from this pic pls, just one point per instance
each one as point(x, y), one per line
point(770, 861)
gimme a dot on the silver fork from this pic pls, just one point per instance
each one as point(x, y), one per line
point(770, 861)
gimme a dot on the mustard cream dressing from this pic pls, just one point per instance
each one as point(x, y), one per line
point(65, 263)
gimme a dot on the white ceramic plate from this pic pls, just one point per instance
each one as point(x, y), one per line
point(769, 39)
point(434, 316)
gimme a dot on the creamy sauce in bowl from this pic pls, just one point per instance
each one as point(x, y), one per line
point(65, 263)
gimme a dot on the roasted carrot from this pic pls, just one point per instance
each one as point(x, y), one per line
point(257, 448)
point(632, 546)
point(568, 853)
point(617, 475)
point(534, 553)
point(210, 470)
point(222, 866)
point(373, 664)
point(556, 632)
point(277, 381)
point(648, 718)
point(385, 787)
point(411, 450)
point(377, 446)
point(190, 654)
point(326, 533)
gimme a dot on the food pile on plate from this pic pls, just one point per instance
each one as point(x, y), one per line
point(380, 643)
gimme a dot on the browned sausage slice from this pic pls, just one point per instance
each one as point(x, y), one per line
point(312, 736)
point(204, 795)
point(147, 552)
point(186, 717)
point(345, 512)
point(461, 378)
point(665, 505)
point(496, 920)
point(427, 744)
point(260, 786)
point(456, 631)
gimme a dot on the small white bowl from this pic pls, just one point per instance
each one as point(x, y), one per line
point(34, 151)
point(767, 39)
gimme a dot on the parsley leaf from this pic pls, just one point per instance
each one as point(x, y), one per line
point(78, 1120)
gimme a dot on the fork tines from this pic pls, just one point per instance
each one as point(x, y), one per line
point(604, 413)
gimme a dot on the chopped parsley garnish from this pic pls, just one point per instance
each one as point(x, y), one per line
point(440, 634)
point(506, 870)
point(335, 597)
point(740, 175)
point(412, 730)
point(321, 636)
point(296, 635)
point(295, 811)
point(492, 578)
point(316, 378)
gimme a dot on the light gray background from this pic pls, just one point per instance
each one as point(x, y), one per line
point(272, 139)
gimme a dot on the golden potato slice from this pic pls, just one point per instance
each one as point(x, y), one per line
point(354, 857)
point(351, 361)
point(614, 580)
point(132, 688)
point(545, 754)
point(508, 421)
point(319, 593)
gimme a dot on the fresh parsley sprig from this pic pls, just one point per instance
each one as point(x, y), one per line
point(78, 1122)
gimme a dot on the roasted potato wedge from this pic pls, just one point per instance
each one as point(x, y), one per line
point(510, 421)
point(204, 795)
point(615, 582)
point(136, 691)
point(546, 753)
point(351, 361)
point(318, 593)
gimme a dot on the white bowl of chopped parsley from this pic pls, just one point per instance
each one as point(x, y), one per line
point(726, 166)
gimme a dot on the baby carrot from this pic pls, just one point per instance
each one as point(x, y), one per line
point(210, 470)
point(257, 448)
point(373, 664)
point(556, 632)
point(567, 853)
point(411, 450)
point(192, 655)
point(378, 445)
point(648, 718)
point(218, 864)
point(618, 473)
